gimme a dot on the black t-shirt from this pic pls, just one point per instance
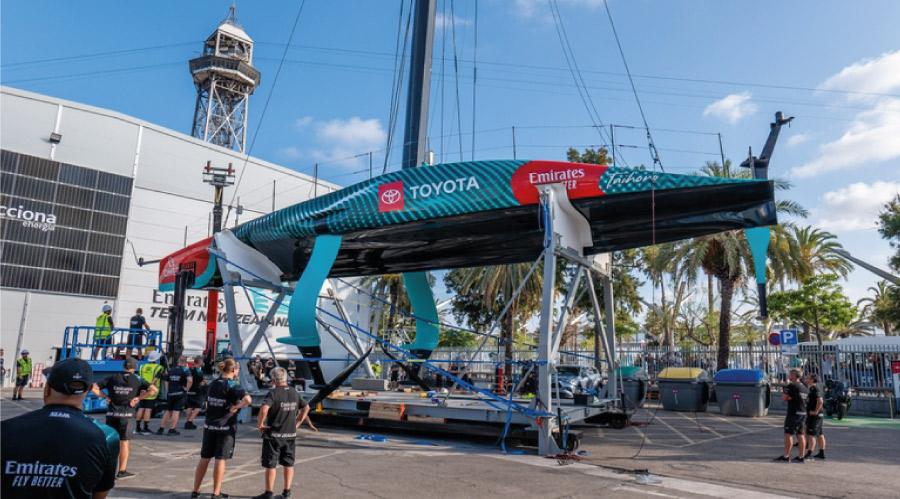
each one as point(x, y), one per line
point(292, 371)
point(197, 374)
point(177, 378)
point(284, 405)
point(57, 452)
point(797, 392)
point(121, 389)
point(137, 322)
point(221, 395)
point(812, 399)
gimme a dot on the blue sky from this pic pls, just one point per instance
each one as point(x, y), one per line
point(700, 68)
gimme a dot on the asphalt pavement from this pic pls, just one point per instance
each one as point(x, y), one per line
point(683, 455)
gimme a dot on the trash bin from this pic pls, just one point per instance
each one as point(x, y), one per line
point(684, 389)
point(634, 382)
point(743, 392)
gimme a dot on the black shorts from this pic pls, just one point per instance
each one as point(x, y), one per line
point(23, 381)
point(124, 426)
point(195, 401)
point(176, 403)
point(814, 426)
point(793, 424)
point(147, 404)
point(395, 376)
point(277, 451)
point(104, 341)
point(136, 339)
point(217, 444)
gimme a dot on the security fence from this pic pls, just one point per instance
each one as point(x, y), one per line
point(867, 368)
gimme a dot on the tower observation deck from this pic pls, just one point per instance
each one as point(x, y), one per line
point(225, 78)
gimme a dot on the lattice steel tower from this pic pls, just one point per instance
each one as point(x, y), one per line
point(225, 78)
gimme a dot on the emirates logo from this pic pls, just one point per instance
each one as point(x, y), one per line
point(390, 197)
point(170, 269)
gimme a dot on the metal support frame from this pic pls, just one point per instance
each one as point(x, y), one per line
point(234, 333)
point(342, 312)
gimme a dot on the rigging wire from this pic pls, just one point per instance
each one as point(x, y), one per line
point(456, 76)
point(397, 83)
point(575, 71)
point(654, 154)
point(474, 78)
point(262, 115)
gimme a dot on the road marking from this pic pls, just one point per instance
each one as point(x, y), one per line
point(720, 418)
point(675, 430)
point(644, 490)
point(699, 426)
point(296, 462)
point(643, 434)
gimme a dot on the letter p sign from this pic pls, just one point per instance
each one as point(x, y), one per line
point(788, 336)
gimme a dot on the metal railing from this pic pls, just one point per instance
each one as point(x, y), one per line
point(90, 342)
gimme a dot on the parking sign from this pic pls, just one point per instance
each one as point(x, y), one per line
point(788, 336)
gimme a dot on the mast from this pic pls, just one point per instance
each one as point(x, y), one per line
point(416, 130)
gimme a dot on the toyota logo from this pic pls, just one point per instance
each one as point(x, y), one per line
point(390, 196)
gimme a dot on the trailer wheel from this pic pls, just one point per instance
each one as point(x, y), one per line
point(572, 443)
point(619, 421)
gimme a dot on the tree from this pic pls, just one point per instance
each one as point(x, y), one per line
point(818, 305)
point(881, 308)
point(726, 255)
point(889, 227)
point(591, 156)
point(483, 292)
point(818, 251)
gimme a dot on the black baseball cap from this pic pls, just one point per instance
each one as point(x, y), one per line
point(71, 376)
point(130, 363)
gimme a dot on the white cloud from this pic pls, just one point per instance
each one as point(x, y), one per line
point(871, 137)
point(797, 139)
point(529, 8)
point(732, 108)
point(447, 22)
point(289, 153)
point(337, 141)
point(878, 75)
point(854, 207)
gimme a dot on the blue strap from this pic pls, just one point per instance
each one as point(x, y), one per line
point(302, 310)
point(422, 298)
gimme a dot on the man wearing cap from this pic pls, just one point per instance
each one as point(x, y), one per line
point(124, 391)
point(136, 337)
point(57, 451)
point(152, 373)
point(23, 374)
point(103, 330)
point(195, 394)
point(178, 383)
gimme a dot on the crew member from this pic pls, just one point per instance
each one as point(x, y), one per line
point(795, 396)
point(224, 399)
point(136, 338)
point(814, 418)
point(395, 376)
point(178, 383)
point(152, 373)
point(292, 372)
point(76, 457)
point(103, 331)
point(255, 367)
point(281, 413)
point(23, 374)
point(195, 394)
point(124, 391)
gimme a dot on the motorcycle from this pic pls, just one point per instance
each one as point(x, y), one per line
point(837, 398)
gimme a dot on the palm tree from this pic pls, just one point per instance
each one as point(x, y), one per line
point(818, 251)
point(388, 287)
point(878, 306)
point(483, 292)
point(726, 255)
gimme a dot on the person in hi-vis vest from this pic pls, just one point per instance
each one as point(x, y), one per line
point(103, 331)
point(23, 374)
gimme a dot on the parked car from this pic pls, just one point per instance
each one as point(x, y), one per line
point(572, 379)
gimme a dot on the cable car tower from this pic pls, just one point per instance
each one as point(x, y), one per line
point(225, 78)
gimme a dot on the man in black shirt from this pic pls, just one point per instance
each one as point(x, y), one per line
point(224, 399)
point(814, 418)
point(57, 451)
point(136, 337)
point(795, 396)
point(195, 394)
point(124, 390)
point(281, 413)
point(178, 383)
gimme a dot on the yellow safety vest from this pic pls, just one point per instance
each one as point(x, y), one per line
point(148, 372)
point(102, 327)
point(24, 367)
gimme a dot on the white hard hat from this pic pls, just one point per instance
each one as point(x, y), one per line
point(154, 356)
point(107, 308)
point(25, 351)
